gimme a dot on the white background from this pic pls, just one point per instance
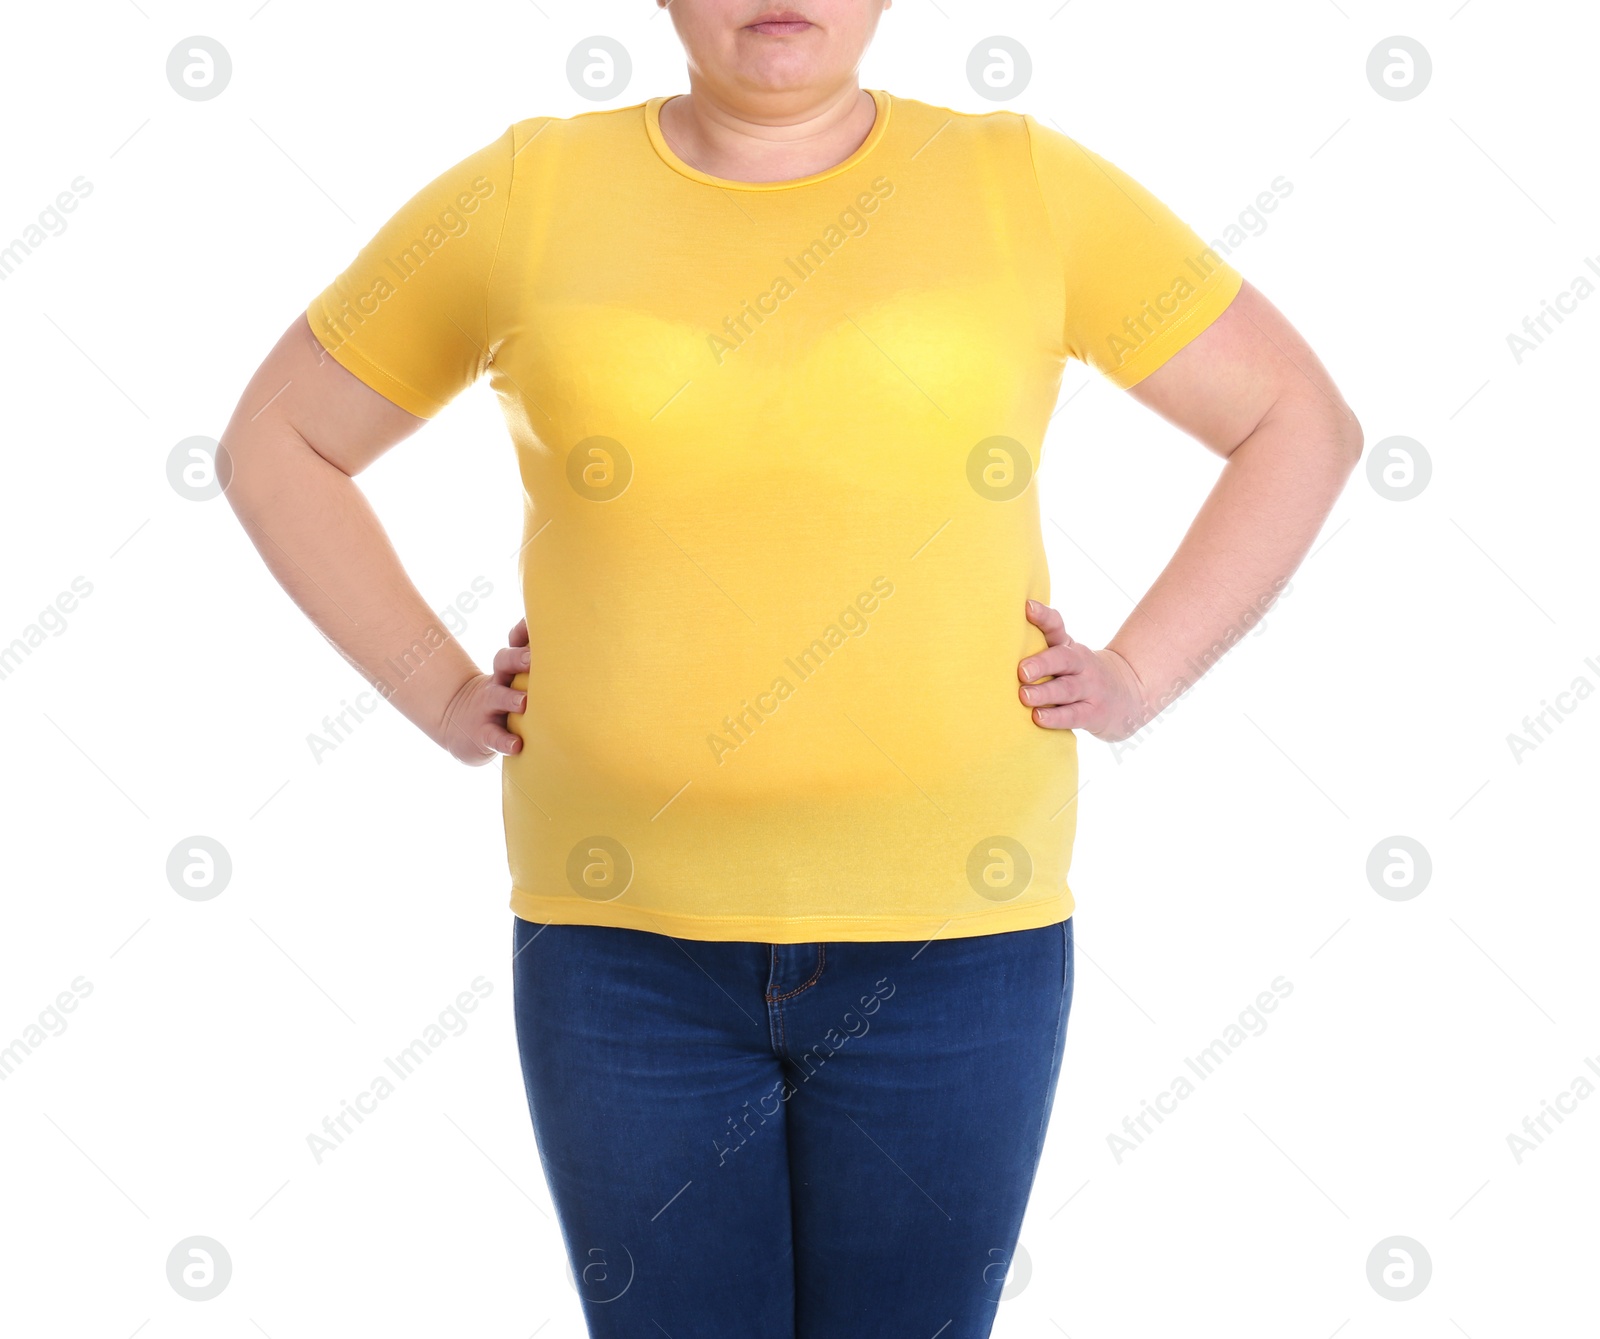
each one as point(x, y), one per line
point(1229, 848)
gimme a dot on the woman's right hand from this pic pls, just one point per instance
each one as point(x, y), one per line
point(475, 727)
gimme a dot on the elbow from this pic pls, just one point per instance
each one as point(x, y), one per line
point(1348, 439)
point(1355, 441)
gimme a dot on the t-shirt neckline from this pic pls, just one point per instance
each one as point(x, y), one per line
point(658, 141)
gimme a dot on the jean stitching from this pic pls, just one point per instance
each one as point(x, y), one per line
point(1061, 1016)
point(822, 959)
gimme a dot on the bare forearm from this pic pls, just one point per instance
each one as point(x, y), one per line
point(1254, 530)
point(320, 538)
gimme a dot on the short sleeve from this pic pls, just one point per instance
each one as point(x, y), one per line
point(409, 316)
point(1140, 283)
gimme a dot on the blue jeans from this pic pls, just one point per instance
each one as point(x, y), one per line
point(790, 1141)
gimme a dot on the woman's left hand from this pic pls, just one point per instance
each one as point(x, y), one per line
point(1096, 691)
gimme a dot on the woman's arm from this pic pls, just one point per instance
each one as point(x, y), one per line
point(1251, 390)
point(302, 429)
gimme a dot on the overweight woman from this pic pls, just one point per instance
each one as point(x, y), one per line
point(789, 761)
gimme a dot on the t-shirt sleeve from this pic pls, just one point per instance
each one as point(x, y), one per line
point(1140, 283)
point(409, 316)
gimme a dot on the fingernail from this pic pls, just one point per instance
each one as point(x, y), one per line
point(1033, 606)
point(1029, 671)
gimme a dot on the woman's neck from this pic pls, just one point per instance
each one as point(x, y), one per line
point(740, 141)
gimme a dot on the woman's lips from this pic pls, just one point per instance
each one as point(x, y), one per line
point(780, 27)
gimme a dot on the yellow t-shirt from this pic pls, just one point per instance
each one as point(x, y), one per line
point(778, 444)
